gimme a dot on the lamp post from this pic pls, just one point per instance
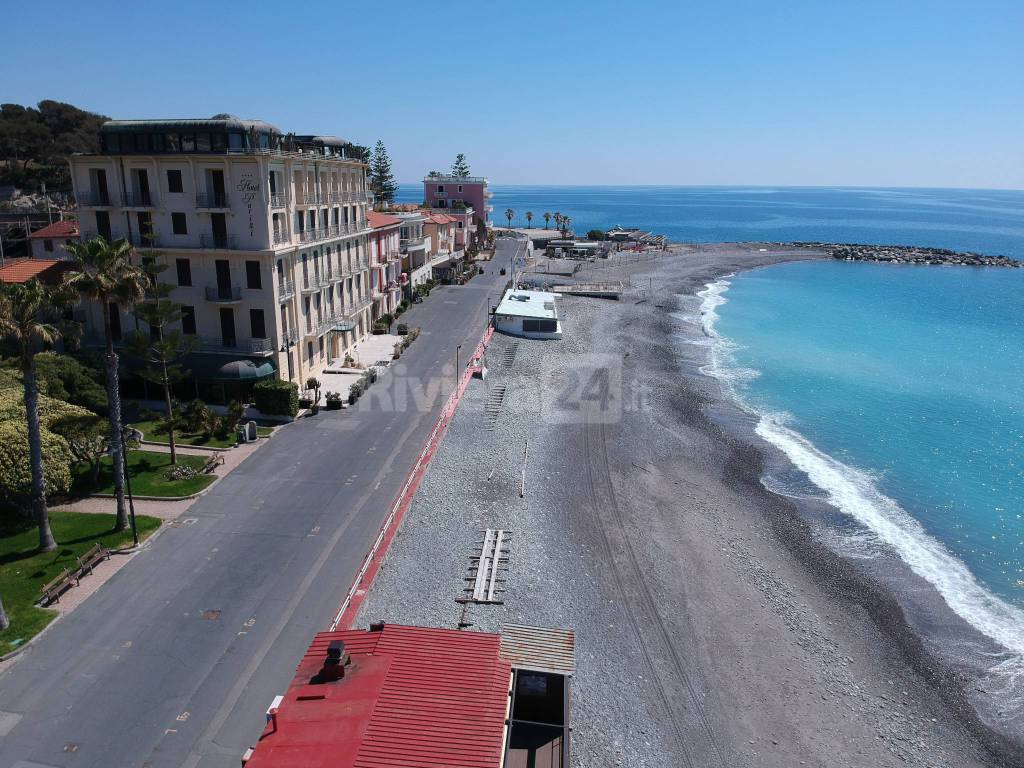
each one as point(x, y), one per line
point(125, 435)
point(457, 348)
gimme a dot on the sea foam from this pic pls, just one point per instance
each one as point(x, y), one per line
point(854, 492)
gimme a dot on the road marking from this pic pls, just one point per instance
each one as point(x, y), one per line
point(182, 717)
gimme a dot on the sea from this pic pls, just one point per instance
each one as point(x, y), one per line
point(985, 221)
point(896, 392)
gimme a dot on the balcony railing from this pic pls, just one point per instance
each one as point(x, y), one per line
point(148, 239)
point(290, 336)
point(226, 242)
point(245, 346)
point(282, 237)
point(223, 293)
point(411, 242)
point(356, 306)
point(279, 201)
point(314, 283)
point(312, 235)
point(212, 200)
point(312, 199)
point(285, 289)
point(96, 200)
point(448, 179)
point(139, 200)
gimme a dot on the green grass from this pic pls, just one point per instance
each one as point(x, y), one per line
point(153, 433)
point(23, 570)
point(148, 473)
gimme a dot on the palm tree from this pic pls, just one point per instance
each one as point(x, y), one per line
point(26, 310)
point(566, 221)
point(509, 213)
point(105, 273)
point(558, 220)
point(529, 218)
point(547, 219)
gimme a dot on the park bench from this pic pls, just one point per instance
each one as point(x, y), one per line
point(212, 463)
point(52, 591)
point(88, 561)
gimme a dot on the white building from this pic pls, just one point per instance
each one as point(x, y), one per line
point(531, 314)
point(265, 235)
point(415, 248)
point(49, 242)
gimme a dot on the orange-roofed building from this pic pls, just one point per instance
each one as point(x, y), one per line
point(50, 271)
point(49, 242)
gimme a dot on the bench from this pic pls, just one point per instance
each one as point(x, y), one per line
point(52, 591)
point(88, 561)
point(212, 463)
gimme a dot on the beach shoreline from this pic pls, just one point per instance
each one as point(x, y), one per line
point(713, 627)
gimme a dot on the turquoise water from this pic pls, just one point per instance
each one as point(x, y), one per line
point(985, 221)
point(899, 391)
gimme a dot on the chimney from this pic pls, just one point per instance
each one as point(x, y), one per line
point(336, 661)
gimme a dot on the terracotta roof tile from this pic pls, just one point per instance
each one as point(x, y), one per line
point(57, 230)
point(47, 270)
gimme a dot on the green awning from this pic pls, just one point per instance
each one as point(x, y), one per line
point(243, 370)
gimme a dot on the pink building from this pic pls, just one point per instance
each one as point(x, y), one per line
point(460, 192)
point(385, 262)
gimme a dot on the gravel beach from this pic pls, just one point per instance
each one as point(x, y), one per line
point(712, 628)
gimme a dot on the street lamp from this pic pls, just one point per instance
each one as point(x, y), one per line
point(127, 434)
point(457, 348)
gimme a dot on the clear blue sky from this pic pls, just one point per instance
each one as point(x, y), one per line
point(907, 93)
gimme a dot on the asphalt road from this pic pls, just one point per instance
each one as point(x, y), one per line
point(174, 661)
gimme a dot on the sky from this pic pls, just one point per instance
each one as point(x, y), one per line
point(729, 92)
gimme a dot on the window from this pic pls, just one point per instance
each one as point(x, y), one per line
point(460, 187)
point(202, 142)
point(234, 141)
point(188, 142)
point(309, 350)
point(188, 316)
point(103, 224)
point(256, 324)
point(440, 188)
point(48, 246)
point(178, 224)
point(220, 142)
point(184, 271)
point(173, 142)
point(174, 181)
point(539, 326)
point(320, 341)
point(253, 279)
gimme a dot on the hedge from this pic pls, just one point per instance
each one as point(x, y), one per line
point(276, 397)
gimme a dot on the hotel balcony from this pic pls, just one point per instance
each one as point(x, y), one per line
point(279, 201)
point(282, 237)
point(312, 235)
point(96, 200)
point(208, 201)
point(224, 294)
point(262, 347)
point(285, 290)
point(313, 198)
point(412, 243)
point(139, 200)
point(290, 336)
point(314, 283)
point(149, 239)
point(223, 242)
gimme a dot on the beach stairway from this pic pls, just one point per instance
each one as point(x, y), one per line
point(509, 356)
point(492, 408)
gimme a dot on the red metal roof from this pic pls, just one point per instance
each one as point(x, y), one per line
point(57, 230)
point(47, 270)
point(412, 697)
point(382, 220)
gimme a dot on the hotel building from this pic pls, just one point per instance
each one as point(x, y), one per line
point(266, 238)
point(459, 193)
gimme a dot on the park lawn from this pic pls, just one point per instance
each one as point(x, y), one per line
point(24, 571)
point(151, 431)
point(147, 472)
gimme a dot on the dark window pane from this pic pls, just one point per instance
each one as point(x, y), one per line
point(188, 320)
point(179, 224)
point(184, 271)
point(253, 278)
point(264, 141)
point(112, 142)
point(173, 142)
point(156, 142)
point(220, 142)
point(259, 328)
point(202, 142)
point(188, 142)
point(103, 224)
point(174, 181)
point(235, 141)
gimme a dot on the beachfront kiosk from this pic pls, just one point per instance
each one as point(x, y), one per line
point(530, 314)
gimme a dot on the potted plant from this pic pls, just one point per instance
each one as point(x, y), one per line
point(313, 384)
point(354, 392)
point(403, 328)
point(332, 401)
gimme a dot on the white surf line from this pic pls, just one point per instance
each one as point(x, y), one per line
point(854, 493)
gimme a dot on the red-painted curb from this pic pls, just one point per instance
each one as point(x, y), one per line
point(372, 562)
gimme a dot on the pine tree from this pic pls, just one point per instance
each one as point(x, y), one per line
point(382, 181)
point(460, 168)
